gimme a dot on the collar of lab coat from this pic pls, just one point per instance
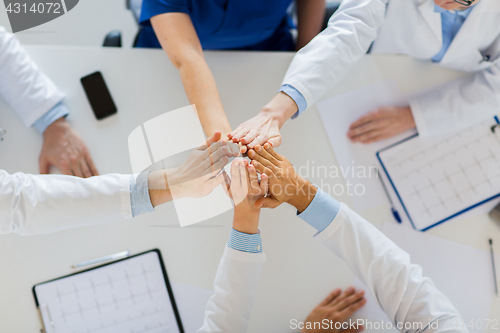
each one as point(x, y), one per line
point(475, 19)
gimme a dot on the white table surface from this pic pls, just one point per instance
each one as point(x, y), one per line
point(298, 272)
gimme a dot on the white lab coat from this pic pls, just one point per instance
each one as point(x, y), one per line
point(27, 90)
point(409, 27)
point(397, 284)
point(48, 203)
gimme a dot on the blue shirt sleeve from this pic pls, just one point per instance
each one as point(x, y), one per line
point(296, 96)
point(58, 111)
point(151, 8)
point(321, 211)
point(139, 195)
point(240, 241)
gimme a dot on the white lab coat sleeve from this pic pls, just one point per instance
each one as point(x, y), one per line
point(459, 104)
point(319, 65)
point(229, 309)
point(47, 203)
point(397, 284)
point(27, 90)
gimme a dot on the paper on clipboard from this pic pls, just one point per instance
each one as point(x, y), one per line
point(337, 114)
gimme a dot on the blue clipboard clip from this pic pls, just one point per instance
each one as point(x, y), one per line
point(496, 125)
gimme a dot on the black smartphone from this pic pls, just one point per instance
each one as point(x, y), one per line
point(98, 95)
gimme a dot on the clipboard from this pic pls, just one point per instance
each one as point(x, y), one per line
point(132, 293)
point(438, 178)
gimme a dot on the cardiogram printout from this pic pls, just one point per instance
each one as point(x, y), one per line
point(437, 178)
point(129, 296)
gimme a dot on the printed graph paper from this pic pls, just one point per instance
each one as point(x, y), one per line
point(129, 296)
point(437, 178)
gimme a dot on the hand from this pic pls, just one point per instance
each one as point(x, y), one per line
point(337, 308)
point(284, 183)
point(194, 178)
point(197, 176)
point(265, 127)
point(381, 123)
point(64, 149)
point(245, 190)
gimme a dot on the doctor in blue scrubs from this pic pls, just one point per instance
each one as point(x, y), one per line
point(183, 28)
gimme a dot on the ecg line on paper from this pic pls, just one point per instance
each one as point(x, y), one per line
point(437, 178)
point(110, 281)
point(128, 296)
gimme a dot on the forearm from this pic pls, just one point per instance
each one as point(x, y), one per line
point(27, 90)
point(318, 66)
point(48, 203)
point(397, 284)
point(237, 277)
point(201, 91)
point(310, 15)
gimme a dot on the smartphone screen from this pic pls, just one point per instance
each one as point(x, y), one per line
point(98, 95)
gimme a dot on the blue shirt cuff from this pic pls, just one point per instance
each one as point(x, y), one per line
point(296, 96)
point(243, 242)
point(58, 111)
point(321, 211)
point(139, 195)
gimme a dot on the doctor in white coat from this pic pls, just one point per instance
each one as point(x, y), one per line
point(410, 299)
point(38, 102)
point(39, 204)
point(458, 34)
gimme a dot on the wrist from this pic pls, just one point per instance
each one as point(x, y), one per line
point(246, 220)
point(59, 123)
point(304, 195)
point(159, 191)
point(281, 108)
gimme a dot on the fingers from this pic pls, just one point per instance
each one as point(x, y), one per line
point(239, 133)
point(350, 300)
point(250, 136)
point(44, 165)
point(268, 153)
point(221, 163)
point(351, 309)
point(367, 118)
point(255, 156)
point(275, 142)
point(264, 183)
point(214, 182)
point(90, 163)
point(253, 178)
point(371, 137)
point(333, 295)
point(260, 140)
point(75, 167)
point(263, 169)
point(346, 293)
point(85, 169)
point(267, 202)
point(356, 132)
point(211, 140)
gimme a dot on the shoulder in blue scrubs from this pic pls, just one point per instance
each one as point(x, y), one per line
point(226, 24)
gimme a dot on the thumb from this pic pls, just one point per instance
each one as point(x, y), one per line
point(44, 165)
point(266, 202)
point(276, 141)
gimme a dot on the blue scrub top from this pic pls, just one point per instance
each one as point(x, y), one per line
point(226, 24)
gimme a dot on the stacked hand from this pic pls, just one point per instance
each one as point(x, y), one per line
point(284, 183)
point(198, 176)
